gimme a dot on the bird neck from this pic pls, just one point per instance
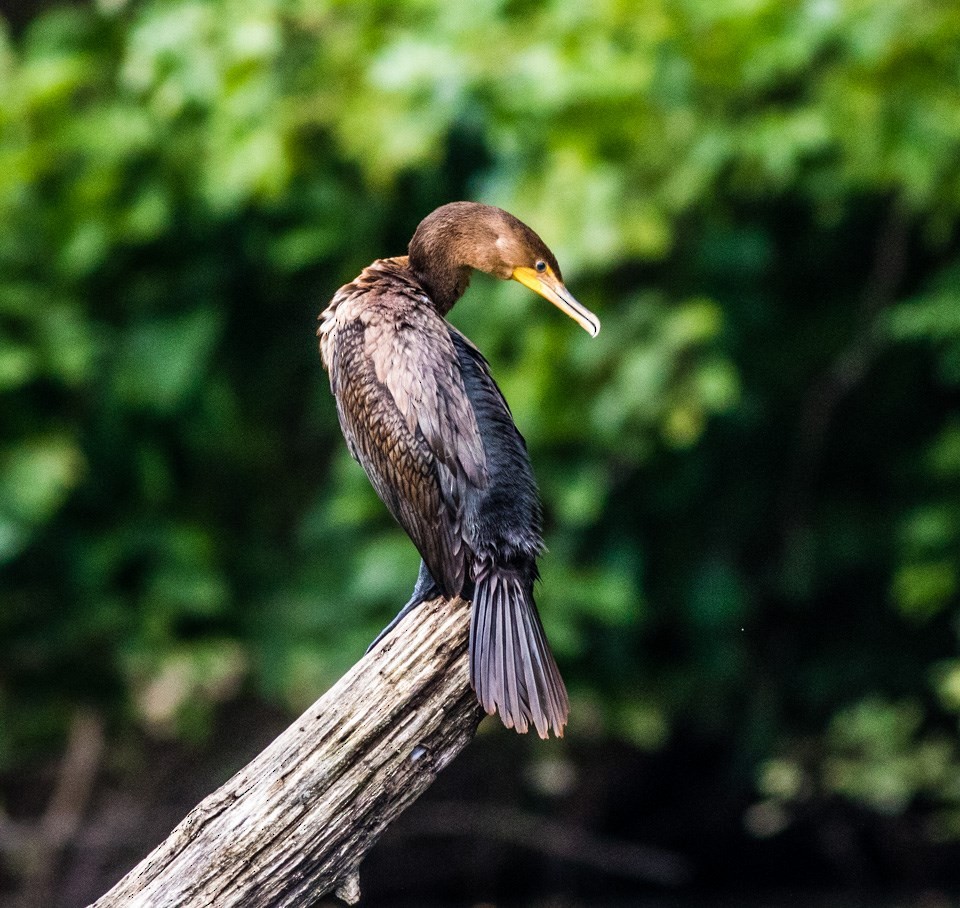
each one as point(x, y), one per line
point(443, 277)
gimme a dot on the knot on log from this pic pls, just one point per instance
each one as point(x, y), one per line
point(349, 890)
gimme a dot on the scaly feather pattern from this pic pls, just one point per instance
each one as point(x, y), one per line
point(422, 414)
point(412, 431)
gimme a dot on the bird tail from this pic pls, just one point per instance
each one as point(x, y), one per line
point(511, 667)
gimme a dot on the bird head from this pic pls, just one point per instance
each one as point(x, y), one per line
point(492, 240)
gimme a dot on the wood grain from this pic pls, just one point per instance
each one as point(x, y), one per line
point(295, 823)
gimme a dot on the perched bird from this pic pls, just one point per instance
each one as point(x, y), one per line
point(422, 414)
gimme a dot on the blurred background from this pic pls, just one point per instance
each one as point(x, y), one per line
point(751, 478)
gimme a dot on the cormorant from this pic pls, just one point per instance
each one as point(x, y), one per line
point(422, 414)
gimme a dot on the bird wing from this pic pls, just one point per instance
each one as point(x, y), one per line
point(408, 421)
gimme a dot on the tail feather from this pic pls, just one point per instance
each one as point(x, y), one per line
point(528, 677)
point(513, 661)
point(511, 667)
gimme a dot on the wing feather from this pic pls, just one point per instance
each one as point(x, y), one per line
point(408, 420)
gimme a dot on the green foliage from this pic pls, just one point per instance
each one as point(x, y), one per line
point(876, 753)
point(751, 477)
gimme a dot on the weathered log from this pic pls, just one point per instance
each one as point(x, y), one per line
point(295, 823)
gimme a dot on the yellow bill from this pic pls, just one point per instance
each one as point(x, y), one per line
point(551, 288)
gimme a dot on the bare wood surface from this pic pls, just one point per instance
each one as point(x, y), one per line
point(295, 823)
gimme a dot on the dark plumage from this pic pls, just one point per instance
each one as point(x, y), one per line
point(424, 417)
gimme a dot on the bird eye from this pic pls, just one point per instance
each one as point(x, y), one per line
point(541, 266)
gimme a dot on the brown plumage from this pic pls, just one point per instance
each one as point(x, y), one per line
point(424, 417)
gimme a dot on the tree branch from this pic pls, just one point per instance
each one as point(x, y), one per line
point(845, 371)
point(560, 840)
point(39, 846)
point(296, 822)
